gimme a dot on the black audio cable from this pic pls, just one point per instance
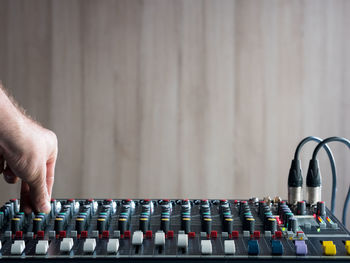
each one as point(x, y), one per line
point(314, 155)
point(345, 207)
point(295, 179)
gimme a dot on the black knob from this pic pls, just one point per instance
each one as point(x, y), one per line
point(37, 224)
point(321, 208)
point(59, 223)
point(53, 207)
point(102, 224)
point(286, 218)
point(80, 224)
point(165, 224)
point(227, 224)
point(206, 224)
point(15, 224)
point(186, 224)
point(144, 223)
point(262, 206)
point(249, 224)
point(123, 225)
point(301, 208)
point(292, 224)
point(271, 224)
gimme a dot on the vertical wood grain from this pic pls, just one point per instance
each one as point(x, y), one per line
point(180, 98)
point(67, 102)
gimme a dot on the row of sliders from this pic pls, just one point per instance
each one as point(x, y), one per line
point(182, 242)
point(89, 245)
point(66, 245)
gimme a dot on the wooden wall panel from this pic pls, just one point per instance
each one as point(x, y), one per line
point(180, 98)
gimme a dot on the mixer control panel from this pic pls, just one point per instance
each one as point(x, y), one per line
point(210, 230)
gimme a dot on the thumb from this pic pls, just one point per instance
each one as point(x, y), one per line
point(38, 192)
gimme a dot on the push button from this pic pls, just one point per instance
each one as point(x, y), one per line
point(329, 249)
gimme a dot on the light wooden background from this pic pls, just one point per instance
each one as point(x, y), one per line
point(180, 98)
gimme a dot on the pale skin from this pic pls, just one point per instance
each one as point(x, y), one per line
point(29, 152)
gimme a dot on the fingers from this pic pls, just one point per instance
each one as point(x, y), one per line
point(38, 192)
point(9, 176)
point(50, 167)
point(26, 205)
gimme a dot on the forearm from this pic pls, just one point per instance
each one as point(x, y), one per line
point(30, 152)
point(11, 120)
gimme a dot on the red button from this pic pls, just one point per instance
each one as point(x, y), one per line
point(105, 234)
point(257, 234)
point(278, 234)
point(191, 234)
point(71, 200)
point(149, 234)
point(235, 234)
point(62, 234)
point(84, 234)
point(19, 234)
point(170, 233)
point(127, 234)
point(213, 234)
point(40, 234)
point(165, 200)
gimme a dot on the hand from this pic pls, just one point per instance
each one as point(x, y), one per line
point(30, 152)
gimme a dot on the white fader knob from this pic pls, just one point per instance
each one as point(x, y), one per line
point(113, 245)
point(18, 247)
point(41, 247)
point(182, 241)
point(159, 239)
point(230, 247)
point(66, 244)
point(137, 238)
point(206, 247)
point(89, 245)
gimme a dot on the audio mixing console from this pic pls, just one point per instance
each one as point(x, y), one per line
point(175, 230)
